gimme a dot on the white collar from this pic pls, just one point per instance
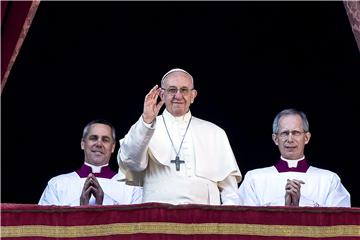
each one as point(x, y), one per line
point(292, 163)
point(182, 119)
point(95, 169)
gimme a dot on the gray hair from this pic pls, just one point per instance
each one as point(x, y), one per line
point(175, 70)
point(290, 111)
point(100, 121)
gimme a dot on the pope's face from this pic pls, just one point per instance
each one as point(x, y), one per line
point(291, 138)
point(178, 93)
point(98, 145)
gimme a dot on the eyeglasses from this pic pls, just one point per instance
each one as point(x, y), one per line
point(173, 90)
point(295, 133)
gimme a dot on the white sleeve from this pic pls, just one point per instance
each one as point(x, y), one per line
point(49, 196)
point(132, 153)
point(338, 195)
point(229, 191)
point(137, 195)
point(246, 192)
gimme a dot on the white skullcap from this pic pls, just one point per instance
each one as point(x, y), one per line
point(175, 70)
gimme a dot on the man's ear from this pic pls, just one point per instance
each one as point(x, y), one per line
point(193, 95)
point(162, 92)
point(82, 144)
point(275, 139)
point(113, 147)
point(307, 137)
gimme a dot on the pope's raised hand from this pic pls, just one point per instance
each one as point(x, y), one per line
point(151, 104)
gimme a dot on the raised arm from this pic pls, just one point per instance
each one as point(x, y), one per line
point(133, 147)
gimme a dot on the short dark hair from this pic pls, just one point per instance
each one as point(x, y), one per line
point(101, 121)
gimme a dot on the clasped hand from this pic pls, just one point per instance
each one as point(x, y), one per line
point(91, 187)
point(292, 195)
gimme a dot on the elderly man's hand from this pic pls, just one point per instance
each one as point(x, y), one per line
point(292, 189)
point(151, 104)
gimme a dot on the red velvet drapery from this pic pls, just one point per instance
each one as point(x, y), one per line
point(16, 18)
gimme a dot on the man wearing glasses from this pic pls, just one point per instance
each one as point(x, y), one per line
point(178, 158)
point(292, 181)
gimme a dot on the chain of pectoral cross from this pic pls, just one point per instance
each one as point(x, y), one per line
point(177, 160)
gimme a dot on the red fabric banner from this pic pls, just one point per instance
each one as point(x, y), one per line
point(163, 221)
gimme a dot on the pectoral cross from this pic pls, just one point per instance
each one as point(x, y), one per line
point(177, 162)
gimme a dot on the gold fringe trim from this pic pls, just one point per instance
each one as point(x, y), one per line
point(180, 229)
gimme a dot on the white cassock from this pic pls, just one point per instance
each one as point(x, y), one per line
point(66, 189)
point(210, 171)
point(266, 187)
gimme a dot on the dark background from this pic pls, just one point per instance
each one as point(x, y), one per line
point(249, 60)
